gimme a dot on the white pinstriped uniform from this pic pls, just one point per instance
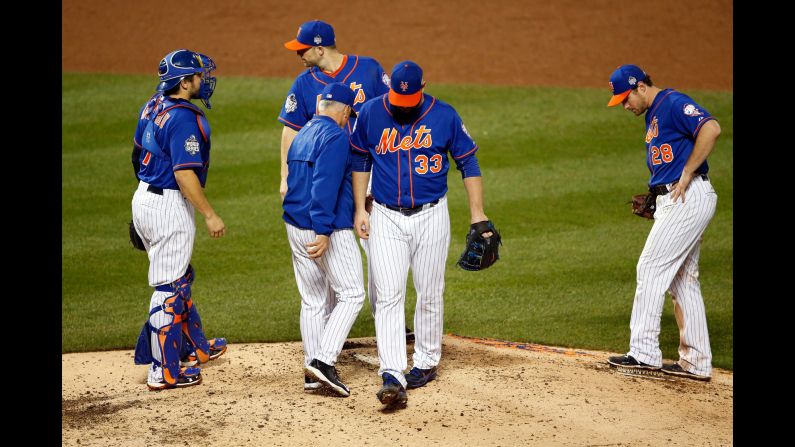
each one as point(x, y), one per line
point(420, 241)
point(167, 228)
point(332, 291)
point(669, 262)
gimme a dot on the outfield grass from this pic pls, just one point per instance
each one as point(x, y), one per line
point(558, 169)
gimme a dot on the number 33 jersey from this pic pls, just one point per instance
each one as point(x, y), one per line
point(409, 162)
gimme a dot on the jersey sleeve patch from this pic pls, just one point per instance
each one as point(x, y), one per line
point(192, 145)
point(291, 104)
point(691, 110)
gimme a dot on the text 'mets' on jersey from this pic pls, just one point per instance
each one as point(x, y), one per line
point(672, 125)
point(362, 74)
point(319, 188)
point(186, 147)
point(410, 161)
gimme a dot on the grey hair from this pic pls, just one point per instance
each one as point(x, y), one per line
point(326, 104)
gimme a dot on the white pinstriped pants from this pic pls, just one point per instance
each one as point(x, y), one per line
point(397, 242)
point(669, 262)
point(167, 228)
point(331, 289)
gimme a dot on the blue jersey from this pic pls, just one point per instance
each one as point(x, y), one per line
point(174, 134)
point(362, 74)
point(672, 125)
point(409, 162)
point(319, 187)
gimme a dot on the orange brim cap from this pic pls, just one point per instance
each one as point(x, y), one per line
point(295, 45)
point(396, 99)
point(618, 99)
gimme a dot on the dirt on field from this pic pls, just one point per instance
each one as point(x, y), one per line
point(487, 393)
point(569, 43)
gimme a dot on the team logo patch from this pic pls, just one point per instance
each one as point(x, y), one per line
point(192, 145)
point(291, 104)
point(692, 110)
point(464, 128)
point(632, 80)
point(318, 40)
point(404, 86)
point(385, 79)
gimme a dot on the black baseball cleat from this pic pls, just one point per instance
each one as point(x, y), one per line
point(392, 393)
point(675, 369)
point(327, 374)
point(627, 361)
point(419, 377)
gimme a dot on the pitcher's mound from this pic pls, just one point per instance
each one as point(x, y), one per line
point(488, 392)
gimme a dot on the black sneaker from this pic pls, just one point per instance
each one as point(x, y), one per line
point(419, 377)
point(392, 393)
point(627, 361)
point(327, 374)
point(311, 384)
point(675, 370)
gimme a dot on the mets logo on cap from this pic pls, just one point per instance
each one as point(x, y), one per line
point(404, 86)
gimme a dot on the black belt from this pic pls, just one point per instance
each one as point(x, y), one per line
point(661, 190)
point(155, 190)
point(411, 211)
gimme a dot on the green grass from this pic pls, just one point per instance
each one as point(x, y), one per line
point(558, 168)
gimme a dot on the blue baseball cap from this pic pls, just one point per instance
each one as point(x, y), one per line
point(312, 34)
point(622, 81)
point(337, 91)
point(406, 84)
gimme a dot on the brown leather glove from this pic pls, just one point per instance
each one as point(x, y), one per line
point(644, 205)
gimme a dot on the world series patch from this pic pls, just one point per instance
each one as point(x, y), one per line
point(192, 145)
point(291, 104)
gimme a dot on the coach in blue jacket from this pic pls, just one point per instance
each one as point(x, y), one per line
point(318, 211)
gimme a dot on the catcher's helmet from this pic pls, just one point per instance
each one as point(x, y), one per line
point(180, 63)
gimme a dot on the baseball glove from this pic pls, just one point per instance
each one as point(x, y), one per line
point(481, 252)
point(644, 205)
point(135, 240)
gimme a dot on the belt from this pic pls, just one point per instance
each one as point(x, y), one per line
point(411, 211)
point(661, 190)
point(155, 190)
point(164, 288)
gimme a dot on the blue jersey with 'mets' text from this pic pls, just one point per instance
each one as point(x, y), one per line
point(672, 124)
point(319, 188)
point(174, 134)
point(362, 74)
point(409, 162)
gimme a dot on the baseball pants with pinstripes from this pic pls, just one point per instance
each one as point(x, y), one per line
point(669, 262)
point(167, 228)
point(396, 243)
point(331, 289)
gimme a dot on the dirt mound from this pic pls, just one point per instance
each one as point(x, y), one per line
point(487, 393)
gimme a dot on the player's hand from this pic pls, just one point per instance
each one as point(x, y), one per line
point(283, 188)
point(215, 225)
point(480, 218)
point(681, 186)
point(317, 248)
point(361, 222)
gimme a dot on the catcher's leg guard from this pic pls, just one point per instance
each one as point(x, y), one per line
point(165, 323)
point(192, 324)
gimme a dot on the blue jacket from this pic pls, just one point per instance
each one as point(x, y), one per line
point(319, 185)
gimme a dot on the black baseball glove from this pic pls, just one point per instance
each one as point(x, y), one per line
point(481, 252)
point(135, 240)
point(644, 205)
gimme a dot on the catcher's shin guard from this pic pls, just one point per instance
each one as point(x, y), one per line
point(192, 323)
point(165, 324)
